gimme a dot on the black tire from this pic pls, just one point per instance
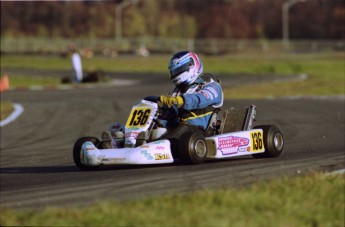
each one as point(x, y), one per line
point(76, 152)
point(192, 148)
point(273, 141)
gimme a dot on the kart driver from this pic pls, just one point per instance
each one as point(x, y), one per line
point(196, 96)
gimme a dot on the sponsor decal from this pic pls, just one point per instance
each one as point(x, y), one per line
point(212, 90)
point(114, 160)
point(160, 148)
point(206, 94)
point(243, 149)
point(132, 134)
point(159, 156)
point(232, 144)
point(147, 155)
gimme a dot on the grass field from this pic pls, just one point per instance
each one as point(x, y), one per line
point(314, 200)
point(326, 71)
point(6, 109)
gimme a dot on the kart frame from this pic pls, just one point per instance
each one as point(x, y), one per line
point(236, 137)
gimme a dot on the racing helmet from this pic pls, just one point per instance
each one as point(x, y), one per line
point(185, 67)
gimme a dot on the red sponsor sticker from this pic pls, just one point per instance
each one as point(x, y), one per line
point(132, 134)
point(231, 144)
point(205, 94)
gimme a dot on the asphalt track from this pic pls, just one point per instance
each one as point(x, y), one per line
point(37, 168)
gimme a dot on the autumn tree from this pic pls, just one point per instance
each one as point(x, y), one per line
point(227, 19)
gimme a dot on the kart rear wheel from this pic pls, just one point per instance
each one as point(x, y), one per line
point(273, 141)
point(192, 148)
point(77, 149)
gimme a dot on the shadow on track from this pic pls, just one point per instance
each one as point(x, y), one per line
point(46, 169)
point(70, 169)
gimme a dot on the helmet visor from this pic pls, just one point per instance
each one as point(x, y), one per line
point(180, 69)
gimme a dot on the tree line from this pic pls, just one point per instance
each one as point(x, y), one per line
point(196, 19)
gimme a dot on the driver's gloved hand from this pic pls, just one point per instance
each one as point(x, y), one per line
point(169, 101)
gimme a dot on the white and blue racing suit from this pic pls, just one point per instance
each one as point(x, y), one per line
point(200, 100)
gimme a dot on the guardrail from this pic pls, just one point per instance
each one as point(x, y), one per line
point(112, 47)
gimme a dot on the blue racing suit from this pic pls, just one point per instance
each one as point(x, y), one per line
point(200, 100)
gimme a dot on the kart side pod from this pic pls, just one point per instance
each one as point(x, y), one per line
point(157, 152)
point(235, 144)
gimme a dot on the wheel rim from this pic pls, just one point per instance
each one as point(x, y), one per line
point(200, 148)
point(278, 141)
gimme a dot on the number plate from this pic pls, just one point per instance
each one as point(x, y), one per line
point(138, 117)
point(257, 141)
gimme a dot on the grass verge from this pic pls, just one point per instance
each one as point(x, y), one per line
point(326, 75)
point(6, 108)
point(314, 200)
point(326, 71)
point(25, 81)
point(314, 85)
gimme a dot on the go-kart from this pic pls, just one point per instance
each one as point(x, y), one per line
point(146, 142)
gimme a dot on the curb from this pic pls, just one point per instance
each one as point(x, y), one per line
point(18, 110)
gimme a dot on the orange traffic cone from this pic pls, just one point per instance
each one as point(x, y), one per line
point(4, 83)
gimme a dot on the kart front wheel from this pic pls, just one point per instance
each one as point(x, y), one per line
point(273, 141)
point(77, 149)
point(192, 148)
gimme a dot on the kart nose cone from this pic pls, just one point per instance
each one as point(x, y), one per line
point(90, 155)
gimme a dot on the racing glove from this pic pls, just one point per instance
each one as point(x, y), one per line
point(169, 101)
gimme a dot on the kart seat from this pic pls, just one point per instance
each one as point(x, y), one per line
point(238, 119)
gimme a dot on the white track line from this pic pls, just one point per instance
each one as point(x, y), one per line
point(18, 110)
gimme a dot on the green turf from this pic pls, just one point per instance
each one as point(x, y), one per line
point(6, 109)
point(314, 200)
point(326, 71)
point(21, 81)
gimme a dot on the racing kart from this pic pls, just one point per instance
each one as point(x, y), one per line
point(146, 142)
